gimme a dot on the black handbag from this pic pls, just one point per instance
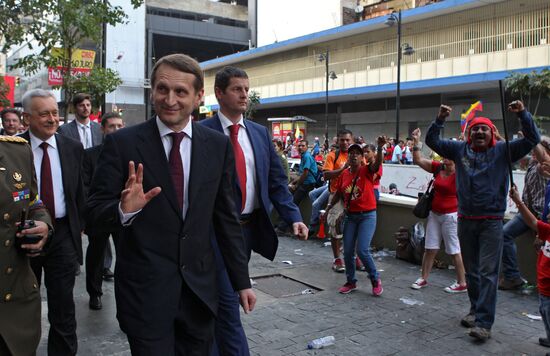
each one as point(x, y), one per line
point(422, 208)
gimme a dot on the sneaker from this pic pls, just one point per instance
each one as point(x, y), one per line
point(456, 288)
point(348, 288)
point(338, 266)
point(469, 321)
point(377, 287)
point(419, 283)
point(511, 284)
point(359, 265)
point(480, 333)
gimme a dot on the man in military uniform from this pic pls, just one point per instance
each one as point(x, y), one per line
point(19, 292)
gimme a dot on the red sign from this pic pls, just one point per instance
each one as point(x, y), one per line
point(10, 81)
point(55, 75)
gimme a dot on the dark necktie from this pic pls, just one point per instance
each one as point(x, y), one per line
point(176, 165)
point(240, 164)
point(46, 182)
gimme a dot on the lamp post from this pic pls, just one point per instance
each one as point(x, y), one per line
point(328, 75)
point(401, 49)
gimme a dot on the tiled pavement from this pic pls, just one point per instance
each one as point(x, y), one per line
point(361, 323)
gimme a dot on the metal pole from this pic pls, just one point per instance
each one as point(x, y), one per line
point(503, 110)
point(398, 96)
point(326, 101)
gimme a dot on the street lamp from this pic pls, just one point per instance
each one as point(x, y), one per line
point(328, 75)
point(401, 49)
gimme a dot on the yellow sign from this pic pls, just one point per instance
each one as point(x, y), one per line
point(80, 59)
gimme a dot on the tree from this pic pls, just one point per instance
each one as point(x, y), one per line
point(50, 24)
point(253, 101)
point(4, 90)
point(531, 88)
point(99, 82)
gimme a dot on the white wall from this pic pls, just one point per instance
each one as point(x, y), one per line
point(128, 40)
point(284, 19)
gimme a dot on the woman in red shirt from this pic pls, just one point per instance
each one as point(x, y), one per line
point(442, 221)
point(355, 187)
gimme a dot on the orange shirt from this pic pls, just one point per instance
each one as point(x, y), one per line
point(330, 165)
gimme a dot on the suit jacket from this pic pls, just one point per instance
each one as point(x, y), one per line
point(19, 292)
point(272, 187)
point(159, 250)
point(70, 156)
point(71, 130)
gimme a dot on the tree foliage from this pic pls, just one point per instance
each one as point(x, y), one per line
point(99, 82)
point(530, 88)
point(4, 90)
point(253, 101)
point(47, 24)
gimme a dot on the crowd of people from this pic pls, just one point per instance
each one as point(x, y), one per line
point(187, 202)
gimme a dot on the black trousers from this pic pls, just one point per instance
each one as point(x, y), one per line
point(192, 334)
point(59, 277)
point(95, 253)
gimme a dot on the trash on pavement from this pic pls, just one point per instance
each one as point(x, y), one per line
point(532, 316)
point(287, 262)
point(410, 301)
point(308, 291)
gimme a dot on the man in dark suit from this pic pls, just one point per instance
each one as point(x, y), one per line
point(98, 238)
point(165, 276)
point(57, 161)
point(260, 182)
point(82, 128)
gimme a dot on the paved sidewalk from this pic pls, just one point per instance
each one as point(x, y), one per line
point(361, 323)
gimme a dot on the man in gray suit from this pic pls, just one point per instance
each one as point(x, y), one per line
point(82, 129)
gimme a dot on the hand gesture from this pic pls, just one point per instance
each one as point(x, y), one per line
point(132, 197)
point(516, 106)
point(40, 228)
point(300, 230)
point(247, 299)
point(514, 194)
point(444, 112)
point(381, 140)
point(416, 135)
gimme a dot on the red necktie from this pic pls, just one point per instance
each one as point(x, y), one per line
point(176, 165)
point(46, 182)
point(239, 160)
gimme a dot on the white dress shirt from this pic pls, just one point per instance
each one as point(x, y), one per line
point(251, 196)
point(55, 165)
point(185, 152)
point(85, 133)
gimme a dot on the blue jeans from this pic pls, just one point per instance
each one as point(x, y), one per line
point(544, 309)
point(359, 230)
point(319, 197)
point(481, 245)
point(512, 229)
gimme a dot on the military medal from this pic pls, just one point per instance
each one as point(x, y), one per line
point(17, 176)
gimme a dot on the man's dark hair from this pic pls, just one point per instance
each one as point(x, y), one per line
point(401, 141)
point(343, 132)
point(80, 97)
point(304, 140)
point(183, 63)
point(109, 115)
point(223, 77)
point(8, 111)
point(370, 146)
point(279, 144)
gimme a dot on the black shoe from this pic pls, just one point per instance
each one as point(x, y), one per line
point(95, 303)
point(480, 333)
point(108, 275)
point(544, 341)
point(469, 321)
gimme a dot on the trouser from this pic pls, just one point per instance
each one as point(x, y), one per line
point(230, 338)
point(319, 197)
point(191, 335)
point(59, 265)
point(544, 309)
point(95, 261)
point(512, 229)
point(481, 246)
point(108, 259)
point(358, 232)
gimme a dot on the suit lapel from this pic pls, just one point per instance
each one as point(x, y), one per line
point(65, 162)
point(155, 162)
point(256, 142)
point(199, 159)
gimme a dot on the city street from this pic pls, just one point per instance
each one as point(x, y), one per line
point(401, 322)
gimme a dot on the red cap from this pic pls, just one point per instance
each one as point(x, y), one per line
point(482, 121)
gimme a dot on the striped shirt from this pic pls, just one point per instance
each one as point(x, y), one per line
point(534, 189)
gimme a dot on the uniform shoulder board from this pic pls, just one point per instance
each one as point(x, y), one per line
point(15, 139)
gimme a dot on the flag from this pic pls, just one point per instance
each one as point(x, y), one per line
point(467, 116)
point(297, 134)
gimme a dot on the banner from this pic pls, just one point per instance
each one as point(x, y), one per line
point(82, 62)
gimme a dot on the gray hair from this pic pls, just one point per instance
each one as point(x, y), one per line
point(35, 93)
